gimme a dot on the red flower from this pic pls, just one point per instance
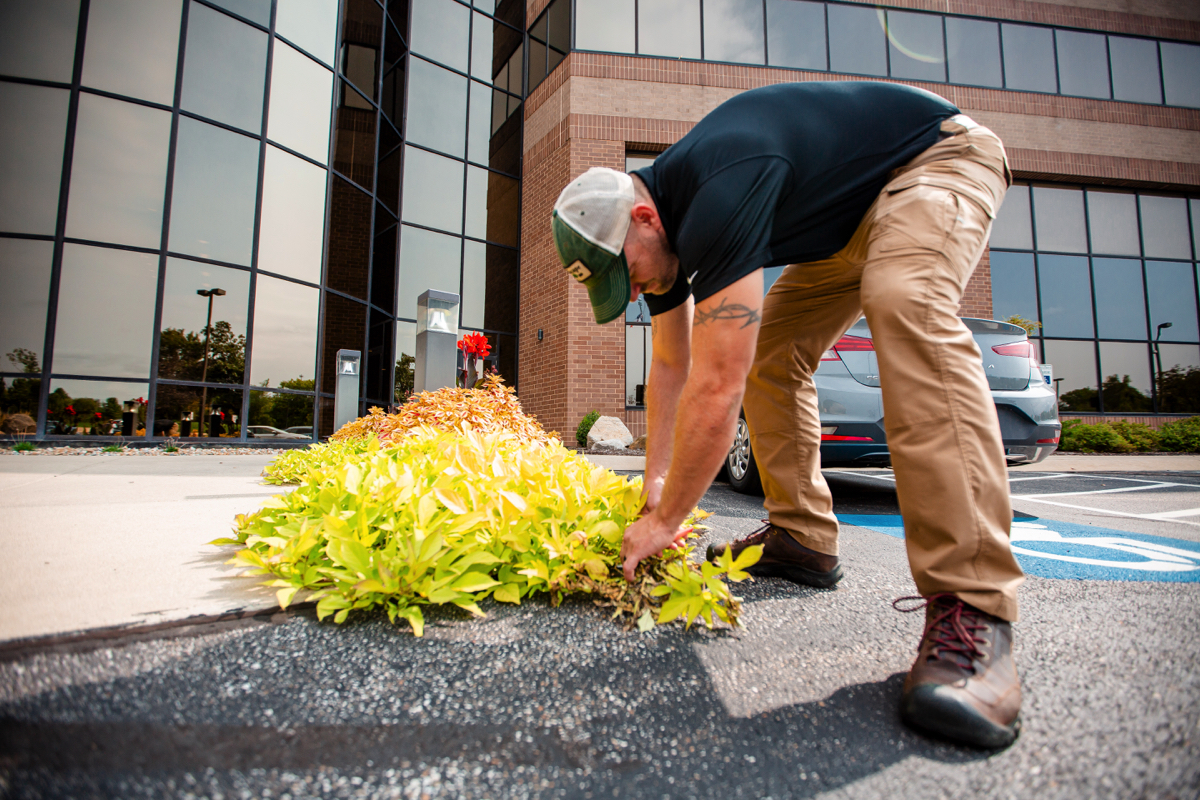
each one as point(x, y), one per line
point(71, 410)
point(475, 344)
point(141, 401)
point(99, 415)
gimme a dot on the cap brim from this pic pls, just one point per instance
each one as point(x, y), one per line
point(607, 278)
point(609, 292)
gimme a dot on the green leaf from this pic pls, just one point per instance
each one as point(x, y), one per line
point(415, 618)
point(284, 596)
point(508, 593)
point(474, 582)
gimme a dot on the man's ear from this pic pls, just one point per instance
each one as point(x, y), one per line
point(646, 215)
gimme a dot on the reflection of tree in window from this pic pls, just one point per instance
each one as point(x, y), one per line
point(23, 395)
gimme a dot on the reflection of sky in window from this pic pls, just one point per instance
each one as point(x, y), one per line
point(915, 46)
point(285, 332)
point(1165, 227)
point(26, 267)
point(474, 284)
point(1120, 314)
point(32, 129)
point(1181, 73)
point(604, 25)
point(437, 105)
point(1126, 358)
point(635, 361)
point(101, 391)
point(187, 311)
point(1179, 355)
point(856, 41)
point(1113, 223)
point(293, 217)
point(669, 28)
point(1014, 290)
point(973, 51)
point(311, 24)
point(1029, 58)
point(439, 31)
point(133, 47)
point(1082, 63)
point(428, 260)
point(254, 10)
point(433, 190)
point(105, 312)
point(1066, 296)
point(796, 34)
point(37, 39)
point(1012, 228)
point(1059, 217)
point(733, 31)
point(299, 116)
point(224, 69)
point(1073, 362)
point(1172, 299)
point(1135, 73)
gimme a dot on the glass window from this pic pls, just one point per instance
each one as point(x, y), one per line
point(389, 180)
point(1012, 228)
point(185, 317)
point(669, 28)
point(1125, 367)
point(1172, 293)
point(1177, 380)
point(1120, 312)
point(348, 262)
point(119, 172)
point(559, 25)
point(537, 63)
point(1028, 58)
point(1058, 216)
point(383, 270)
point(1165, 227)
point(354, 138)
point(380, 360)
point(1066, 296)
point(105, 320)
point(1135, 69)
point(391, 98)
point(1075, 373)
point(1082, 63)
point(132, 48)
point(796, 34)
point(493, 207)
point(604, 25)
point(915, 46)
point(856, 41)
point(635, 365)
point(474, 284)
point(224, 69)
point(440, 31)
point(503, 284)
point(309, 24)
point(973, 52)
point(37, 39)
point(433, 190)
point(358, 65)
point(1181, 73)
point(285, 332)
point(428, 260)
point(1014, 288)
point(733, 31)
point(479, 124)
point(300, 92)
point(482, 39)
point(192, 412)
point(1112, 220)
point(406, 349)
point(26, 268)
point(32, 130)
point(293, 215)
point(215, 187)
point(344, 327)
point(437, 108)
point(1195, 207)
point(254, 10)
point(85, 399)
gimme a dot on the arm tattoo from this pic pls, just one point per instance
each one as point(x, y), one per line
point(653, 327)
point(732, 311)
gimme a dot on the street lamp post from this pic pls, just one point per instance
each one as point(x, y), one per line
point(1158, 364)
point(210, 294)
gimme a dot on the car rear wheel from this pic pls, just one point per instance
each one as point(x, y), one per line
point(740, 464)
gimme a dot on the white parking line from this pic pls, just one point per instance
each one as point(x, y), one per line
point(1104, 511)
point(1183, 512)
point(1101, 491)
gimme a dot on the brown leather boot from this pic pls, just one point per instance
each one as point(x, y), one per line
point(963, 685)
point(784, 557)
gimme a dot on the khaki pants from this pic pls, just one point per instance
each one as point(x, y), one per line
point(905, 269)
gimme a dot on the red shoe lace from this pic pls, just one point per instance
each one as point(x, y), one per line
point(953, 629)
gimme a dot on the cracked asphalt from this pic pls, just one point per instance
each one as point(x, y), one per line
point(538, 701)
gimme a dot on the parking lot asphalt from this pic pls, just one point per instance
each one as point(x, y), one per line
point(538, 701)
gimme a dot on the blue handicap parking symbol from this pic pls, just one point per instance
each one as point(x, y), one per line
point(1052, 549)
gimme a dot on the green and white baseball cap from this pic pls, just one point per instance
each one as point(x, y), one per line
point(590, 220)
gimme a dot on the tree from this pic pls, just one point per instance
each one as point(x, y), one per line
point(290, 410)
point(1029, 325)
point(1179, 390)
point(1120, 396)
point(405, 377)
point(24, 394)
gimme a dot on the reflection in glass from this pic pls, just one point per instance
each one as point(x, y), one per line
point(379, 363)
point(1075, 364)
point(733, 31)
point(133, 47)
point(559, 25)
point(354, 138)
point(433, 190)
point(309, 24)
point(492, 206)
point(358, 65)
point(194, 412)
point(25, 265)
point(1125, 367)
point(482, 42)
point(349, 242)
point(119, 172)
point(1181, 73)
point(1082, 63)
point(1135, 74)
point(300, 90)
point(1066, 296)
point(181, 343)
point(1058, 215)
point(1195, 209)
point(389, 179)
point(224, 69)
point(1165, 227)
point(1014, 289)
point(1172, 292)
point(345, 328)
point(406, 349)
point(1028, 58)
point(479, 123)
point(1120, 314)
point(293, 217)
point(440, 31)
point(74, 405)
point(37, 39)
point(215, 186)
point(428, 260)
point(856, 41)
point(915, 46)
point(383, 270)
point(669, 28)
point(503, 283)
point(105, 320)
point(437, 108)
point(1179, 378)
point(606, 25)
point(285, 332)
point(1112, 218)
point(391, 99)
point(635, 364)
point(32, 129)
point(254, 10)
point(1012, 228)
point(474, 284)
point(973, 52)
point(796, 34)
point(537, 63)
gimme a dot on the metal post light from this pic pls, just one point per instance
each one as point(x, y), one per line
point(210, 294)
point(436, 363)
point(1158, 364)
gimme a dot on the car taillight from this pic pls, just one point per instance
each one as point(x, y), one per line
point(1048, 441)
point(828, 437)
point(848, 344)
point(1023, 349)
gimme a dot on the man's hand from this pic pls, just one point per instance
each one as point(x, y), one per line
point(649, 536)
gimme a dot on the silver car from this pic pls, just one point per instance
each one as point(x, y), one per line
point(270, 432)
point(851, 403)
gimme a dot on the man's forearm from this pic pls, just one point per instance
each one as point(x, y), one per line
point(662, 401)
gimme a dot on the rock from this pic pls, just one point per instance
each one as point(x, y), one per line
point(608, 428)
point(19, 423)
point(639, 443)
point(609, 447)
